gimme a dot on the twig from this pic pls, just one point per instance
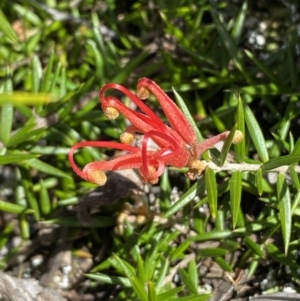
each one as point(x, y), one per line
point(246, 167)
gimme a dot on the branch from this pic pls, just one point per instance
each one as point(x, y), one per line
point(246, 167)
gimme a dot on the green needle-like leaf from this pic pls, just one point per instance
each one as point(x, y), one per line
point(274, 252)
point(99, 61)
point(213, 235)
point(13, 208)
point(139, 288)
point(35, 74)
point(152, 296)
point(254, 246)
point(110, 279)
point(240, 125)
point(193, 273)
point(7, 110)
point(235, 195)
point(6, 29)
point(280, 161)
point(46, 168)
point(230, 46)
point(150, 261)
point(226, 146)
point(212, 192)
point(261, 66)
point(284, 206)
point(258, 226)
point(24, 227)
point(187, 280)
point(259, 181)
point(30, 195)
point(15, 158)
point(135, 282)
point(169, 294)
point(63, 82)
point(296, 149)
point(294, 177)
point(141, 269)
point(296, 201)
point(223, 264)
point(162, 274)
point(239, 23)
point(45, 202)
point(25, 134)
point(178, 252)
point(256, 134)
point(195, 190)
point(220, 126)
point(6, 121)
point(46, 83)
point(55, 77)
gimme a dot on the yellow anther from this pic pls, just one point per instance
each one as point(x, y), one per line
point(196, 168)
point(198, 165)
point(142, 93)
point(238, 137)
point(111, 113)
point(127, 138)
point(96, 176)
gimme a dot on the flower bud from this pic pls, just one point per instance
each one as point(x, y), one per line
point(238, 137)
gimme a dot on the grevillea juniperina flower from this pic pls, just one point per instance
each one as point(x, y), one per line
point(177, 143)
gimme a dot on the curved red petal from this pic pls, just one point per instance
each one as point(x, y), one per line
point(105, 102)
point(120, 146)
point(176, 118)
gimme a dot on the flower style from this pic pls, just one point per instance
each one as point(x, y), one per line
point(177, 143)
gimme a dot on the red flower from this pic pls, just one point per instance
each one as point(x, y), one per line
point(177, 143)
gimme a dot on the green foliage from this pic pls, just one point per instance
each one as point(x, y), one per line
point(51, 69)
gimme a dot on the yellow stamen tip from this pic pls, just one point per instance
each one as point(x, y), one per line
point(198, 165)
point(111, 113)
point(142, 93)
point(127, 138)
point(96, 176)
point(238, 137)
